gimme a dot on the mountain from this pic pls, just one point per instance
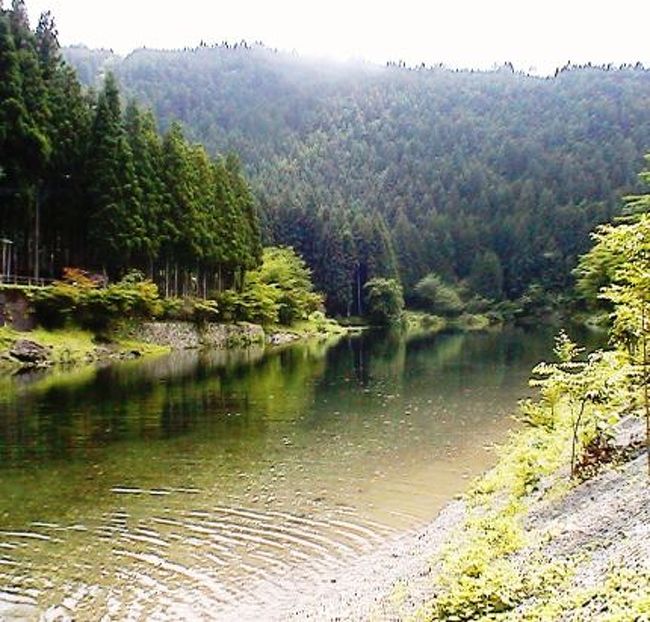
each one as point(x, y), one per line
point(493, 179)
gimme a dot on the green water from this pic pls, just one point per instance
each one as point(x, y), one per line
point(193, 485)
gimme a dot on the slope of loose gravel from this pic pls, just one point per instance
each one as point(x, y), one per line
point(601, 524)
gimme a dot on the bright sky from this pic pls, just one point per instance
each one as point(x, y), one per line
point(539, 34)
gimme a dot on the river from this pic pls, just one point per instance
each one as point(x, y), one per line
point(199, 485)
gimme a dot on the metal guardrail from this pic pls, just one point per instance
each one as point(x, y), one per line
point(30, 281)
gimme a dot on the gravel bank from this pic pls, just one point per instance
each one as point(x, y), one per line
point(599, 524)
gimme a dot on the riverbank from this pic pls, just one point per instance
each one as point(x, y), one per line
point(556, 550)
point(40, 348)
point(132, 334)
point(418, 322)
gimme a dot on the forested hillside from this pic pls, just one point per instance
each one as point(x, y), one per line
point(492, 178)
point(87, 182)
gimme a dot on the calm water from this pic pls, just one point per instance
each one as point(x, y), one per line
point(205, 484)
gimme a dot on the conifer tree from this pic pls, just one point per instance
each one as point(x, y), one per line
point(116, 229)
point(146, 148)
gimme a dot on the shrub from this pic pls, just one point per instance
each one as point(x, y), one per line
point(77, 298)
point(438, 297)
point(205, 311)
point(229, 303)
point(290, 277)
point(384, 301)
point(279, 291)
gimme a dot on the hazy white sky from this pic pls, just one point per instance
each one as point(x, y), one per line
point(460, 33)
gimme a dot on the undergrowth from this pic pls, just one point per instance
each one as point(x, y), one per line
point(480, 575)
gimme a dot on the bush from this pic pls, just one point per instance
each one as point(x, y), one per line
point(190, 309)
point(279, 291)
point(384, 301)
point(205, 311)
point(54, 306)
point(229, 303)
point(290, 277)
point(438, 297)
point(259, 303)
point(477, 304)
point(78, 299)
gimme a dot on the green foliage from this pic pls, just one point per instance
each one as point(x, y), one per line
point(189, 309)
point(620, 264)
point(536, 301)
point(438, 297)
point(593, 391)
point(506, 164)
point(229, 305)
point(55, 305)
point(384, 301)
point(486, 275)
point(259, 303)
point(478, 579)
point(279, 291)
point(580, 399)
point(89, 306)
point(286, 272)
point(87, 183)
point(623, 595)
point(205, 311)
point(628, 287)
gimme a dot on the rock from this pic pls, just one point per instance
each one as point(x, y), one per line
point(29, 352)
point(281, 338)
point(102, 352)
point(15, 310)
point(178, 335)
point(57, 613)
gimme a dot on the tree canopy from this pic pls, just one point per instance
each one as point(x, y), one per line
point(493, 178)
point(88, 182)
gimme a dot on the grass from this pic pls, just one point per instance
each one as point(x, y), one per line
point(315, 326)
point(74, 345)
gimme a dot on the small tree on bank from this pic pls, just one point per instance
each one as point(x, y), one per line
point(438, 297)
point(384, 301)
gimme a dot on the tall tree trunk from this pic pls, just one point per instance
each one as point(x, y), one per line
point(37, 236)
point(359, 308)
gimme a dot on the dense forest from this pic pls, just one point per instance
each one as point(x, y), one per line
point(87, 182)
point(462, 186)
point(491, 180)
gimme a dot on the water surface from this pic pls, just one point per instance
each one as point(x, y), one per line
point(201, 484)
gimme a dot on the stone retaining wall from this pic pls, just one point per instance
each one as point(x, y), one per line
point(15, 310)
point(186, 335)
